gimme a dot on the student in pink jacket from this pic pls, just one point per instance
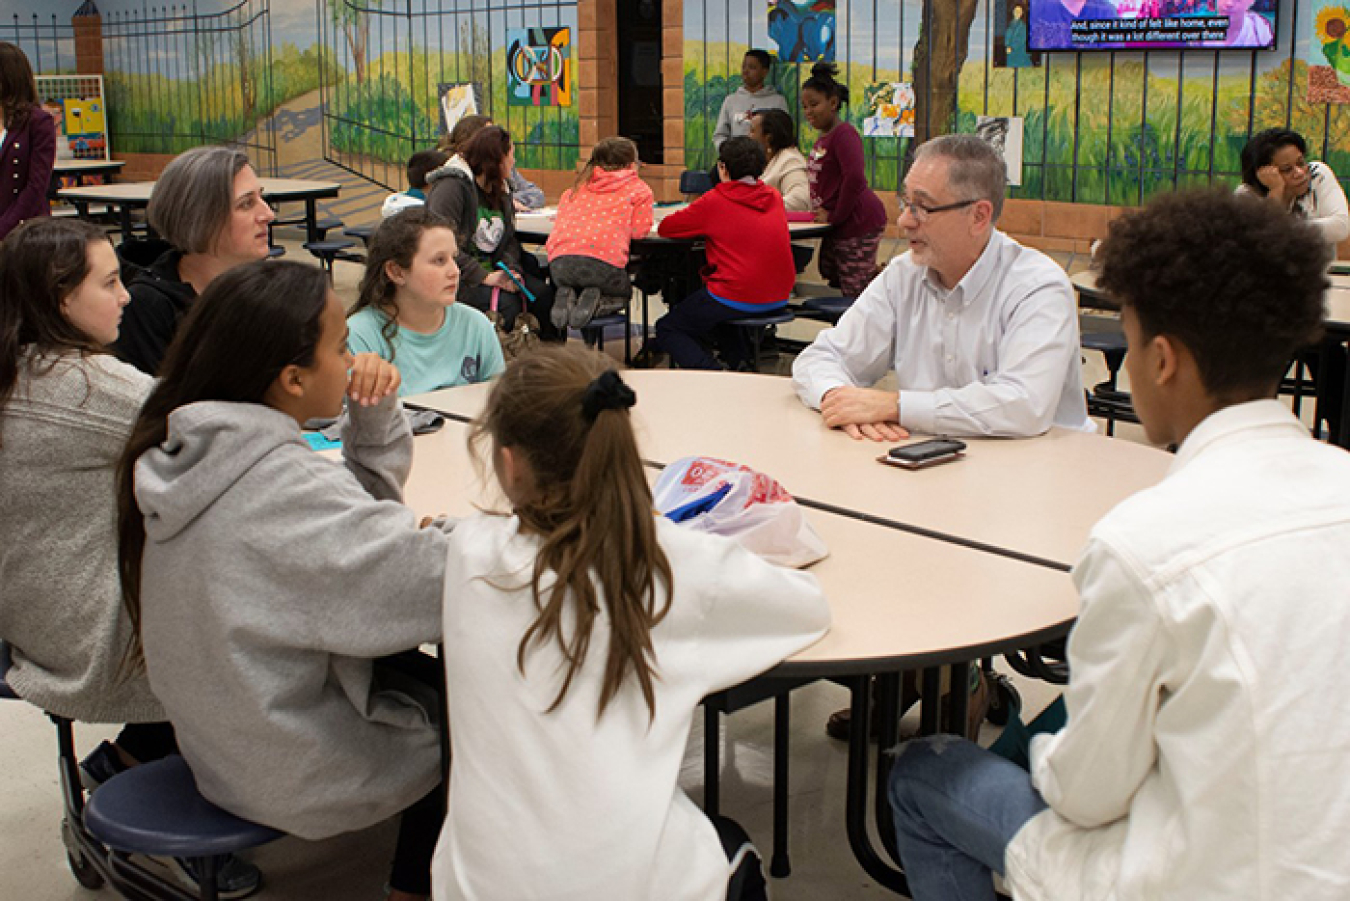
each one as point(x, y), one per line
point(588, 249)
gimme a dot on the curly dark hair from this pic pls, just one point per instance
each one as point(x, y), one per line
point(1235, 280)
point(1261, 149)
point(743, 158)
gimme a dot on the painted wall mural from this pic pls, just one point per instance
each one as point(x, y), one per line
point(539, 67)
point(1104, 127)
point(357, 81)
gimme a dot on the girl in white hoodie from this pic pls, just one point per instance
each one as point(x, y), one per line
point(269, 587)
point(581, 632)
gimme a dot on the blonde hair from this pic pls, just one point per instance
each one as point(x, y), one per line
point(564, 411)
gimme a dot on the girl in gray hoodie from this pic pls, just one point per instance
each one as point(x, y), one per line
point(266, 582)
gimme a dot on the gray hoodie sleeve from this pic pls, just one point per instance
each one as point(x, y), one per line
point(530, 195)
point(377, 447)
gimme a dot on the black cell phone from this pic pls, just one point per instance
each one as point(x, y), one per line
point(924, 453)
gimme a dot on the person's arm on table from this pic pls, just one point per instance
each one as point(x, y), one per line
point(525, 194)
point(641, 224)
point(857, 352)
point(1090, 770)
point(690, 222)
point(1019, 399)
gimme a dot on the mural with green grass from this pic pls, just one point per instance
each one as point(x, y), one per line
point(384, 105)
point(1101, 128)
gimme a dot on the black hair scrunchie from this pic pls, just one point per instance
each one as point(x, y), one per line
point(607, 392)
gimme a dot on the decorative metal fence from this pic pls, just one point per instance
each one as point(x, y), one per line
point(1101, 127)
point(392, 59)
point(49, 45)
point(178, 79)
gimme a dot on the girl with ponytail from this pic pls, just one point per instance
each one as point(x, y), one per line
point(581, 631)
point(839, 191)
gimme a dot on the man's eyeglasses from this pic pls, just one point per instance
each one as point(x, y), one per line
point(922, 211)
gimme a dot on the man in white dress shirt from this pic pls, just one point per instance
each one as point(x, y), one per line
point(982, 332)
point(1199, 760)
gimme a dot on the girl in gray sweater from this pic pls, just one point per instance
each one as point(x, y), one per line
point(66, 408)
point(267, 582)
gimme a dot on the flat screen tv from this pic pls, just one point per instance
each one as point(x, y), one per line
point(1148, 24)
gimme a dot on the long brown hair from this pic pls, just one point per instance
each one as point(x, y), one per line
point(485, 154)
point(395, 241)
point(250, 323)
point(18, 87)
point(593, 508)
point(611, 155)
point(41, 263)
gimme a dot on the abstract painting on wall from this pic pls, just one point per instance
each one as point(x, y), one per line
point(539, 67)
point(890, 110)
point(458, 101)
point(1005, 133)
point(804, 30)
point(1329, 52)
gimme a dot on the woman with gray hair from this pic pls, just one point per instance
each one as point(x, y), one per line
point(208, 205)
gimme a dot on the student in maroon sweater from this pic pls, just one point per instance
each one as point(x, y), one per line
point(750, 268)
point(839, 191)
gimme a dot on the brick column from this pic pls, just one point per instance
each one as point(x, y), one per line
point(88, 25)
point(597, 71)
point(667, 187)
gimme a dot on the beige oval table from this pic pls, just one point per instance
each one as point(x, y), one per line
point(899, 601)
point(1032, 499)
point(940, 566)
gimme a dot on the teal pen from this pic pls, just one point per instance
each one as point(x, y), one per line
point(519, 284)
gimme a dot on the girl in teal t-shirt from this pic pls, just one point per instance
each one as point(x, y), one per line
point(407, 312)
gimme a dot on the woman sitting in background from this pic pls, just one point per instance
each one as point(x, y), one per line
point(786, 171)
point(208, 205)
point(1275, 166)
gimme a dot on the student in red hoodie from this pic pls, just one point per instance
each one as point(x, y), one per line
point(750, 268)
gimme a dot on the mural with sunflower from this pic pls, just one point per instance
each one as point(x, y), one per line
point(1330, 83)
point(1102, 128)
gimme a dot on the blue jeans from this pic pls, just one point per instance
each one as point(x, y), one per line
point(956, 807)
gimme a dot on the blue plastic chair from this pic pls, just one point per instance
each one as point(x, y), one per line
point(593, 333)
point(825, 309)
point(155, 809)
point(755, 325)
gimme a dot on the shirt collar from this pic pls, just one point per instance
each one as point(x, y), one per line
point(1220, 426)
point(974, 281)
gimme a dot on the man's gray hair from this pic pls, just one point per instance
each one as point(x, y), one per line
point(193, 197)
point(977, 171)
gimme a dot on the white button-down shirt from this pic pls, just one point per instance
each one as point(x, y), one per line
point(1207, 750)
point(998, 354)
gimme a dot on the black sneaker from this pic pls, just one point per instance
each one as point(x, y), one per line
point(236, 878)
point(563, 302)
point(584, 311)
point(101, 765)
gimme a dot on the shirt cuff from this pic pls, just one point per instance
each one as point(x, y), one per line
point(822, 391)
point(918, 412)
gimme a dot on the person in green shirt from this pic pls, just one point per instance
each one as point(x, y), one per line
point(406, 312)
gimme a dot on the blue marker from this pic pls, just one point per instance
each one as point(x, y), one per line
point(519, 284)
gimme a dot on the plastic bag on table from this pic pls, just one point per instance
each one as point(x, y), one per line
point(728, 499)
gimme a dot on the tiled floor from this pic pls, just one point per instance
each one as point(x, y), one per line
point(354, 866)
